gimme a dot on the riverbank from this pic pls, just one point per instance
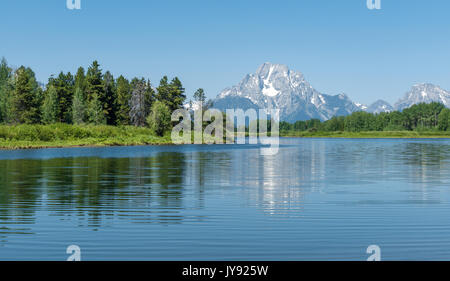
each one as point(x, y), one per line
point(369, 134)
point(64, 135)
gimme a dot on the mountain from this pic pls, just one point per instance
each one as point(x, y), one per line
point(426, 93)
point(380, 106)
point(275, 86)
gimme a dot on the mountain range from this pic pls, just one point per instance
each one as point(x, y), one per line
point(276, 86)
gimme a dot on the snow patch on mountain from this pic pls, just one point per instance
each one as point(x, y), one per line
point(275, 86)
point(423, 93)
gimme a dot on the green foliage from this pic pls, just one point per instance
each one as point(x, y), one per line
point(88, 97)
point(64, 86)
point(419, 117)
point(200, 96)
point(95, 111)
point(94, 92)
point(360, 121)
point(6, 87)
point(159, 119)
point(79, 107)
point(444, 120)
point(50, 106)
point(123, 101)
point(172, 94)
point(80, 80)
point(61, 135)
point(24, 99)
point(109, 98)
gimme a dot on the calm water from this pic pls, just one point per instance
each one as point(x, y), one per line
point(314, 200)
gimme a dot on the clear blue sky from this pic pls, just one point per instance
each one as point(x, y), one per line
point(340, 46)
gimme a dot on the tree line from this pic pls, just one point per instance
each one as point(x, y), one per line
point(88, 97)
point(423, 116)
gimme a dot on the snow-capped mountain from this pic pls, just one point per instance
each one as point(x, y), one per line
point(426, 93)
point(275, 86)
point(380, 106)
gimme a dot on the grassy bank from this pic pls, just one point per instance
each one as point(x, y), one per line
point(63, 135)
point(370, 134)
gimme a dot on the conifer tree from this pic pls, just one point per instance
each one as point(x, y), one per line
point(64, 86)
point(109, 98)
point(95, 111)
point(50, 106)
point(123, 101)
point(78, 107)
point(172, 94)
point(94, 92)
point(80, 80)
point(5, 90)
point(200, 97)
point(24, 99)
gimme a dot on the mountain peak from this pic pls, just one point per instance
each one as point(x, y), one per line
point(266, 68)
point(423, 93)
point(380, 106)
point(276, 86)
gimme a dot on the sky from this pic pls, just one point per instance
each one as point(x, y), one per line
point(340, 46)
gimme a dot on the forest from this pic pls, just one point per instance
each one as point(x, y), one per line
point(428, 117)
point(94, 108)
point(88, 97)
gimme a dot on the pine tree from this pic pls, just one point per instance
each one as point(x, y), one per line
point(5, 90)
point(50, 106)
point(64, 86)
point(80, 80)
point(24, 99)
point(172, 94)
point(123, 101)
point(95, 111)
point(200, 97)
point(78, 107)
point(109, 98)
point(94, 92)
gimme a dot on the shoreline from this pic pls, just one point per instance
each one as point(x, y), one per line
point(370, 135)
point(90, 143)
point(30, 147)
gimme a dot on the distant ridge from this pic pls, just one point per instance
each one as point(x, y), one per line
point(276, 86)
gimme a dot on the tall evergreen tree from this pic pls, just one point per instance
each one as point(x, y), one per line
point(24, 100)
point(94, 92)
point(78, 107)
point(200, 97)
point(50, 106)
point(123, 101)
point(95, 111)
point(109, 98)
point(172, 94)
point(64, 86)
point(80, 80)
point(5, 90)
